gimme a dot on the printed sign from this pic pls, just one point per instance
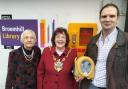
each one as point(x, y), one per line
point(12, 29)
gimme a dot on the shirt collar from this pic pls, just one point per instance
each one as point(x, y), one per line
point(112, 36)
point(53, 51)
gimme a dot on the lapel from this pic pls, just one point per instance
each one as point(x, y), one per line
point(120, 41)
point(92, 49)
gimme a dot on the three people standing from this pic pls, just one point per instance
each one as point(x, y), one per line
point(108, 49)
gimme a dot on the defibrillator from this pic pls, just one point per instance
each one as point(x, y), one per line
point(84, 67)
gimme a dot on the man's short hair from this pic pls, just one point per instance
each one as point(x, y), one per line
point(108, 5)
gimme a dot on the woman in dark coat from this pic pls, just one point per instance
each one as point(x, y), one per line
point(22, 63)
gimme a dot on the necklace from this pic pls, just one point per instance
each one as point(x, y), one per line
point(28, 57)
point(58, 64)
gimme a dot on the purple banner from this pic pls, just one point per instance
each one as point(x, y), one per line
point(12, 29)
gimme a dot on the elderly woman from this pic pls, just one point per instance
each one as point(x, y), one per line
point(22, 64)
point(56, 64)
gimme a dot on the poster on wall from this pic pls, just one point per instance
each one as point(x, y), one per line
point(12, 29)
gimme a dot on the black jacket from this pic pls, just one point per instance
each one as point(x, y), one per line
point(22, 73)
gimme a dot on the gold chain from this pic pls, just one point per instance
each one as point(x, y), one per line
point(54, 58)
point(58, 64)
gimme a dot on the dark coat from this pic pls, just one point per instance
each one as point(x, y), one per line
point(21, 73)
point(117, 62)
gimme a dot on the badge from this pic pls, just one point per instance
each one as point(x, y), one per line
point(58, 65)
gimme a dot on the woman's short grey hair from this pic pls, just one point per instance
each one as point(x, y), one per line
point(23, 34)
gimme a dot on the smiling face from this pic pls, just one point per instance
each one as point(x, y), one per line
point(60, 40)
point(109, 18)
point(28, 39)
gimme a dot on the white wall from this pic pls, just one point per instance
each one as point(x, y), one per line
point(64, 11)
